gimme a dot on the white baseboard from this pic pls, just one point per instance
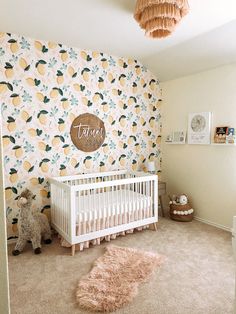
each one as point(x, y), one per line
point(213, 224)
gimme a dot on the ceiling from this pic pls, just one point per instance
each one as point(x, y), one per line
point(203, 40)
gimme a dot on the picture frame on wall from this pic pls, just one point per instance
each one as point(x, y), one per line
point(176, 137)
point(199, 128)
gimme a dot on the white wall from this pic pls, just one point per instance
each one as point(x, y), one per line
point(207, 174)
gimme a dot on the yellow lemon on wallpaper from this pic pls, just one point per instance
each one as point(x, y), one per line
point(122, 81)
point(16, 100)
point(145, 95)
point(102, 168)
point(73, 162)
point(120, 104)
point(11, 126)
point(14, 47)
point(105, 107)
point(40, 96)
point(63, 172)
point(142, 121)
point(130, 101)
point(67, 150)
point(65, 104)
point(152, 123)
point(26, 165)
point(138, 71)
point(9, 73)
point(123, 122)
point(34, 181)
point(114, 92)
point(38, 45)
point(6, 141)
point(41, 69)
point(64, 56)
point(42, 119)
point(135, 88)
point(24, 115)
point(110, 159)
point(23, 64)
point(115, 133)
point(41, 145)
point(153, 86)
point(60, 79)
point(158, 140)
point(122, 162)
point(83, 54)
point(110, 77)
point(110, 119)
point(121, 144)
point(77, 87)
point(72, 117)
point(13, 177)
point(55, 141)
point(142, 82)
point(134, 167)
point(145, 133)
point(88, 163)
point(130, 140)
point(32, 132)
point(8, 194)
point(44, 193)
point(96, 98)
point(85, 101)
point(106, 149)
point(54, 93)
point(120, 62)
point(3, 88)
point(137, 109)
point(137, 148)
point(44, 167)
point(130, 61)
point(134, 128)
point(61, 127)
point(104, 64)
point(18, 152)
point(30, 81)
point(100, 85)
point(86, 76)
point(150, 143)
point(52, 45)
point(95, 54)
point(71, 70)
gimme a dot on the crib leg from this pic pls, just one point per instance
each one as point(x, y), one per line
point(73, 250)
point(155, 226)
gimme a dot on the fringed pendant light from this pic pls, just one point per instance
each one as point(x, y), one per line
point(160, 17)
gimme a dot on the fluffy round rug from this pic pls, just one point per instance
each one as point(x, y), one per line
point(114, 279)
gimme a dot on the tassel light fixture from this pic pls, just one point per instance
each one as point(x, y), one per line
point(159, 17)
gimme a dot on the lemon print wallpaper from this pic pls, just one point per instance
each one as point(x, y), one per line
point(44, 86)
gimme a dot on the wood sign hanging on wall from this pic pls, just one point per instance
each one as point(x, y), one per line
point(87, 132)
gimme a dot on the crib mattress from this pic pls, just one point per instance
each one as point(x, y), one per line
point(110, 203)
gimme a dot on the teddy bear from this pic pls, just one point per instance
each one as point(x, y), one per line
point(32, 225)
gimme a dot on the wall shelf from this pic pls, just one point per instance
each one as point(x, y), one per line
point(175, 143)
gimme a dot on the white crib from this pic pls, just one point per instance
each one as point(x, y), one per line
point(90, 206)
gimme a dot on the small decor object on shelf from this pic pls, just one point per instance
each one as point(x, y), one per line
point(176, 137)
point(220, 134)
point(230, 137)
point(151, 167)
point(199, 126)
point(180, 209)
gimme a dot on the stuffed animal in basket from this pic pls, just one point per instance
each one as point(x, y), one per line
point(32, 225)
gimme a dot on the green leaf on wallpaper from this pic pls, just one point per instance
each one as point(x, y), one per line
point(103, 59)
point(14, 190)
point(27, 68)
point(125, 65)
point(49, 194)
point(102, 164)
point(12, 171)
point(87, 158)
point(10, 87)
point(31, 169)
point(122, 117)
point(136, 144)
point(77, 165)
point(125, 145)
point(122, 75)
point(40, 62)
point(46, 99)
point(134, 123)
point(89, 103)
point(89, 58)
point(65, 145)
point(100, 79)
point(64, 99)
point(144, 160)
point(113, 162)
point(151, 155)
point(149, 133)
point(12, 41)
point(119, 133)
point(44, 49)
point(85, 70)
point(39, 132)
point(8, 66)
point(134, 162)
point(82, 87)
point(62, 51)
point(152, 81)
point(60, 91)
point(122, 156)
point(62, 167)
point(154, 108)
point(134, 98)
point(125, 106)
point(14, 95)
point(144, 85)
point(74, 75)
point(149, 95)
point(29, 119)
point(113, 122)
point(48, 148)
point(36, 82)
point(152, 118)
point(40, 180)
point(61, 121)
point(61, 138)
point(154, 145)
point(59, 73)
point(119, 92)
point(10, 119)
point(16, 147)
point(113, 81)
point(42, 112)
point(134, 84)
point(43, 160)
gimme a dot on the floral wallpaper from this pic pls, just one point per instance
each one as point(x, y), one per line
point(44, 86)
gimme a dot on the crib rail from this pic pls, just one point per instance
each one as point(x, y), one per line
point(86, 207)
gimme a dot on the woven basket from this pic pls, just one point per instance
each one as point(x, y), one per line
point(178, 208)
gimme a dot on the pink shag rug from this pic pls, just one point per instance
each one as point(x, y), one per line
point(114, 279)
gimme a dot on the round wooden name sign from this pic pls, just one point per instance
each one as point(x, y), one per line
point(87, 132)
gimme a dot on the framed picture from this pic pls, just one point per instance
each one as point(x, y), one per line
point(221, 133)
point(199, 128)
point(176, 137)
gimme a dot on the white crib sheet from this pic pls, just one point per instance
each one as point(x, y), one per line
point(110, 203)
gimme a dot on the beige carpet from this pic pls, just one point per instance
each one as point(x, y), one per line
point(197, 278)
